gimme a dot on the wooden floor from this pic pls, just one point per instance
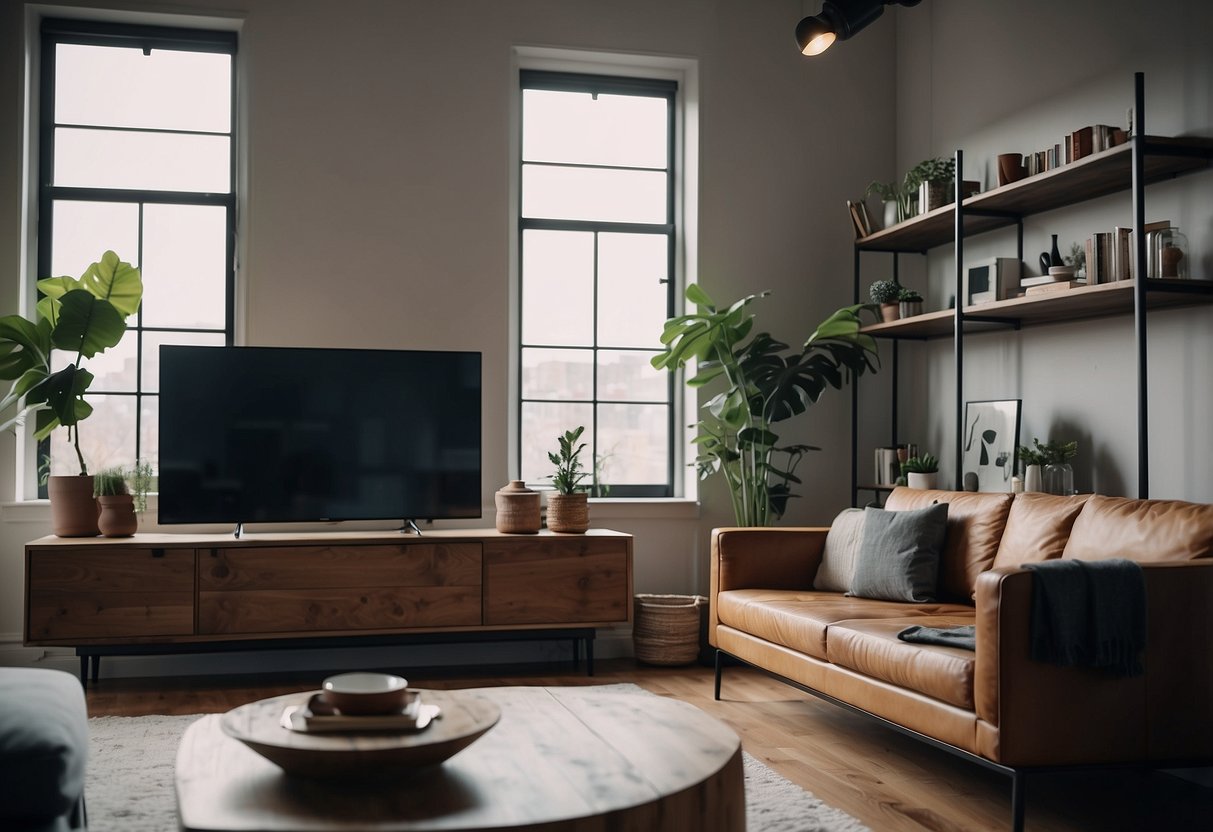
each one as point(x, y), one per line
point(888, 781)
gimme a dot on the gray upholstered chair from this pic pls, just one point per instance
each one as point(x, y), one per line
point(43, 750)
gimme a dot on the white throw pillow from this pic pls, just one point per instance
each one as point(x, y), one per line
point(841, 551)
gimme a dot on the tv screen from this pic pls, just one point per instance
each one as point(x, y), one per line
point(270, 434)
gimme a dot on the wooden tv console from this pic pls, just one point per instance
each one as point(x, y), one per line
point(171, 593)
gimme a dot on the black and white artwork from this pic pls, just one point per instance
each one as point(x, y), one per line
point(990, 444)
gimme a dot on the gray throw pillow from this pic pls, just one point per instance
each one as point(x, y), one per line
point(899, 557)
point(841, 551)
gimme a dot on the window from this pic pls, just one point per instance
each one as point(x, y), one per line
point(596, 244)
point(137, 155)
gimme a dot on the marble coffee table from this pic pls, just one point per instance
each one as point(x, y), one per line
point(559, 758)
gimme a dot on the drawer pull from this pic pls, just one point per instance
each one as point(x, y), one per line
point(157, 553)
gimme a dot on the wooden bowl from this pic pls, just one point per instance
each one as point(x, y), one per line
point(366, 693)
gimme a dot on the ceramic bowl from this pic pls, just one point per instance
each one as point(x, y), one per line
point(1061, 272)
point(366, 693)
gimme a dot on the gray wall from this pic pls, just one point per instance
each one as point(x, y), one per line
point(376, 208)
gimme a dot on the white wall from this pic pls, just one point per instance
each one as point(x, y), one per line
point(376, 212)
point(991, 78)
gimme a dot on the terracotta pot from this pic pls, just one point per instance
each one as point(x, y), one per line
point(117, 518)
point(73, 507)
point(889, 311)
point(568, 513)
point(517, 509)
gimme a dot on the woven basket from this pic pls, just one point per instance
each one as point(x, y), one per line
point(665, 628)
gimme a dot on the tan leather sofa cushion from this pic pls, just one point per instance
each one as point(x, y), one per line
point(873, 649)
point(1038, 526)
point(801, 619)
point(975, 525)
point(1149, 531)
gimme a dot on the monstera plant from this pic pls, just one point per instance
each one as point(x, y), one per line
point(762, 383)
point(82, 317)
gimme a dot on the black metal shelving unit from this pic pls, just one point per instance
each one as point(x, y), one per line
point(1141, 161)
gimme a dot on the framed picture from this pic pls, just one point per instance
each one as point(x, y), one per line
point(990, 446)
point(992, 279)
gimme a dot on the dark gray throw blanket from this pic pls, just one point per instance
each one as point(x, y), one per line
point(964, 637)
point(1089, 614)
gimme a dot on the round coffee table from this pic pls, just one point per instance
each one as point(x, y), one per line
point(569, 759)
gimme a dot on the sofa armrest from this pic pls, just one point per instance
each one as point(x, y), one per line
point(1164, 714)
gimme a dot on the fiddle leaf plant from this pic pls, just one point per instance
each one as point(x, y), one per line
point(763, 383)
point(81, 317)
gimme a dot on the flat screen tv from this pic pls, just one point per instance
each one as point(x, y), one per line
point(275, 435)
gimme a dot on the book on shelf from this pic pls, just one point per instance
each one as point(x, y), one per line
point(1055, 286)
point(859, 219)
point(1039, 280)
point(1122, 261)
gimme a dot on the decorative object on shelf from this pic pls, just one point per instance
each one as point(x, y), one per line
point(839, 20)
point(1010, 168)
point(74, 509)
point(899, 195)
point(568, 507)
point(990, 280)
point(518, 509)
point(1051, 259)
point(1077, 259)
point(887, 293)
point(81, 318)
point(888, 463)
point(860, 220)
point(116, 504)
point(763, 386)
point(909, 303)
point(989, 443)
point(934, 178)
point(1031, 479)
point(1052, 460)
point(665, 628)
point(1170, 251)
point(921, 471)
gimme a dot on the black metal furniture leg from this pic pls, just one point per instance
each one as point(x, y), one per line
point(576, 653)
point(719, 668)
point(84, 671)
point(589, 656)
point(1018, 783)
point(96, 666)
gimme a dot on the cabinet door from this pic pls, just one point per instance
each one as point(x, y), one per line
point(93, 594)
point(310, 589)
point(557, 581)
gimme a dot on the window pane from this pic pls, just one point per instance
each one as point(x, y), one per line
point(629, 377)
point(122, 87)
point(557, 374)
point(107, 437)
point(86, 230)
point(593, 194)
point(626, 130)
point(634, 442)
point(632, 298)
point(152, 341)
point(184, 252)
point(558, 288)
point(149, 431)
point(542, 425)
point(150, 161)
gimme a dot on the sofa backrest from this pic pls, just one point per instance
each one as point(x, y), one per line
point(1038, 527)
point(1150, 531)
point(975, 525)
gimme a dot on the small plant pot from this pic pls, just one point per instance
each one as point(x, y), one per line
point(517, 509)
point(889, 312)
point(117, 518)
point(73, 507)
point(568, 513)
point(923, 481)
point(909, 308)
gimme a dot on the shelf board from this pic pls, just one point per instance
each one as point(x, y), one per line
point(1066, 305)
point(1106, 172)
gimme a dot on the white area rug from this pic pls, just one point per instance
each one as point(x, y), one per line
point(129, 786)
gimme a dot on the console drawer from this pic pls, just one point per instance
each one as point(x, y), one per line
point(313, 567)
point(575, 581)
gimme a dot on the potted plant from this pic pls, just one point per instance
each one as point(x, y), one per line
point(117, 504)
point(568, 509)
point(82, 318)
point(886, 293)
point(933, 178)
point(909, 303)
point(1053, 462)
point(761, 385)
point(921, 471)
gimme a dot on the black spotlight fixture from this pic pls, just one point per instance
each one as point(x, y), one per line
point(839, 20)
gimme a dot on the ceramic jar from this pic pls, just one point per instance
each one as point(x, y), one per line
point(517, 509)
point(117, 517)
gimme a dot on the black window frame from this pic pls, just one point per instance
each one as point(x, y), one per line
point(596, 84)
point(55, 31)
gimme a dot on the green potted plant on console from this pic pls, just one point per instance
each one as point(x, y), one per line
point(82, 318)
point(568, 507)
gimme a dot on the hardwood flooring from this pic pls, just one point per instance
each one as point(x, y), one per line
point(888, 781)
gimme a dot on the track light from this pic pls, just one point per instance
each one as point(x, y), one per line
point(839, 20)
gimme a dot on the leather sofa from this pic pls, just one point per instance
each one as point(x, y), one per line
point(995, 705)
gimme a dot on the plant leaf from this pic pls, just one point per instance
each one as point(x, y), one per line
point(116, 281)
point(87, 325)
